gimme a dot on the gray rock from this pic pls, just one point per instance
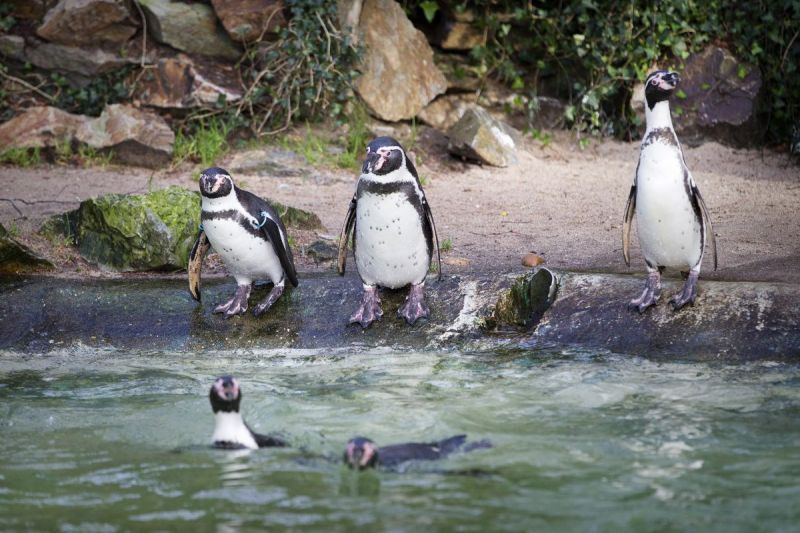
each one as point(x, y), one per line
point(183, 82)
point(349, 13)
point(12, 46)
point(718, 99)
point(191, 28)
point(457, 31)
point(33, 10)
point(40, 127)
point(137, 137)
point(479, 137)
point(15, 257)
point(86, 62)
point(321, 251)
point(247, 20)
point(446, 110)
point(80, 22)
point(399, 76)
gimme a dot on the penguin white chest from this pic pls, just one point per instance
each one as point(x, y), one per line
point(230, 428)
point(246, 255)
point(669, 229)
point(391, 249)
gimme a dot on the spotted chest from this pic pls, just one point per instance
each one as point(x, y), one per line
point(391, 248)
point(246, 252)
point(669, 227)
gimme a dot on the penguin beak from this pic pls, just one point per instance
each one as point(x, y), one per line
point(672, 79)
point(359, 457)
point(373, 162)
point(227, 389)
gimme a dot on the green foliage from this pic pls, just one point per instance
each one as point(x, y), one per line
point(446, 245)
point(592, 52)
point(305, 73)
point(92, 98)
point(21, 157)
point(7, 21)
point(358, 135)
point(203, 142)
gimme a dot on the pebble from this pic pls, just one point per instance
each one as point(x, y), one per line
point(532, 260)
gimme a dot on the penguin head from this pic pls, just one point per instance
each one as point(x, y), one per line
point(659, 86)
point(384, 156)
point(215, 182)
point(225, 395)
point(361, 453)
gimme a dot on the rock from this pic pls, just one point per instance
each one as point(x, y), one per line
point(86, 62)
point(137, 137)
point(456, 31)
point(349, 13)
point(526, 301)
point(182, 82)
point(717, 99)
point(12, 46)
point(153, 231)
point(445, 110)
point(478, 136)
point(80, 22)
point(456, 261)
point(399, 76)
point(191, 28)
point(531, 260)
point(247, 20)
point(794, 143)
point(15, 257)
point(40, 127)
point(30, 9)
point(321, 251)
point(297, 218)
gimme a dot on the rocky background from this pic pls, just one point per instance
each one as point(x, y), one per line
point(124, 77)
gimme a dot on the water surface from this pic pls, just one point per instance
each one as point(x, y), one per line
point(109, 440)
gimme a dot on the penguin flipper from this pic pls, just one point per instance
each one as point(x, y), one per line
point(344, 236)
point(199, 251)
point(630, 209)
point(429, 217)
point(710, 227)
point(275, 234)
point(267, 441)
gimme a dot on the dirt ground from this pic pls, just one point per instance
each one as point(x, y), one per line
point(559, 201)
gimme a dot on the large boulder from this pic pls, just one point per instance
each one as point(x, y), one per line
point(446, 110)
point(458, 31)
point(191, 28)
point(86, 62)
point(80, 22)
point(717, 99)
point(399, 76)
point(183, 82)
point(137, 137)
point(479, 137)
point(248, 20)
point(40, 127)
point(16, 257)
point(153, 231)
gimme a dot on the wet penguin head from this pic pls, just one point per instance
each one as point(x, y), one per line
point(659, 86)
point(225, 395)
point(361, 453)
point(384, 156)
point(215, 182)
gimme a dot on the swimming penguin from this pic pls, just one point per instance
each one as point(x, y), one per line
point(672, 218)
point(231, 431)
point(362, 453)
point(393, 232)
point(249, 236)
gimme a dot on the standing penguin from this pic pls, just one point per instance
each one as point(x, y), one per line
point(249, 236)
point(393, 232)
point(672, 218)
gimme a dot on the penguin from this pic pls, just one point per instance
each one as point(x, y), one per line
point(231, 432)
point(249, 236)
point(393, 232)
point(362, 453)
point(672, 219)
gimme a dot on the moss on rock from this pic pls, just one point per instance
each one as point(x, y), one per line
point(525, 302)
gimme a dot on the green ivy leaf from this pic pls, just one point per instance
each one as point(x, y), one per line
point(429, 8)
point(742, 72)
point(680, 94)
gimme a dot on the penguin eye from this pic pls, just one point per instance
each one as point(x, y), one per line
point(654, 81)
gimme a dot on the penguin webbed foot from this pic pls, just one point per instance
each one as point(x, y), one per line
point(370, 309)
point(414, 307)
point(650, 294)
point(236, 305)
point(272, 297)
point(688, 294)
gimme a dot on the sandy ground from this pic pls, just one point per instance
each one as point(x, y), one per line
point(564, 203)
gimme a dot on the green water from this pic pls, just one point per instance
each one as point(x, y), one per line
point(109, 441)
